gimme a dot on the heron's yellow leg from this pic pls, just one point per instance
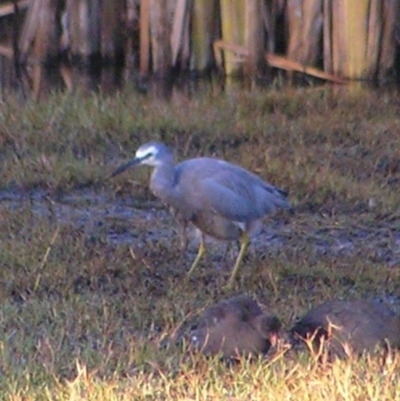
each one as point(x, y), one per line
point(200, 254)
point(244, 242)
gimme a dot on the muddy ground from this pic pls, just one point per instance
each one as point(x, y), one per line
point(145, 225)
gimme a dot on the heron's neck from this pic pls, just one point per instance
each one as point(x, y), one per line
point(162, 181)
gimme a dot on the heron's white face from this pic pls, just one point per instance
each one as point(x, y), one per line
point(148, 154)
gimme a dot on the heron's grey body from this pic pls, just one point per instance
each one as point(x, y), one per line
point(221, 199)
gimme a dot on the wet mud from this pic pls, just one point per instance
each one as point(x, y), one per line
point(128, 221)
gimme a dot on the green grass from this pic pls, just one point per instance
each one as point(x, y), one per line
point(83, 318)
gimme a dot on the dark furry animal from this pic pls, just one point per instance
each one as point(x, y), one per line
point(349, 327)
point(235, 327)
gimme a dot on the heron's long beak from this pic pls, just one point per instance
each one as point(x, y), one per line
point(131, 163)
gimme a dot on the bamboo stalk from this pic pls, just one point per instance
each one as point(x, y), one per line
point(312, 31)
point(29, 29)
point(291, 65)
point(327, 36)
point(349, 23)
point(391, 24)
point(337, 37)
point(178, 25)
point(40, 29)
point(279, 62)
point(6, 51)
point(47, 37)
point(112, 40)
point(304, 29)
point(144, 22)
point(185, 50)
point(232, 18)
point(132, 23)
point(160, 38)
point(374, 34)
point(270, 12)
point(203, 30)
point(254, 38)
point(9, 8)
point(294, 17)
point(37, 80)
point(84, 27)
point(67, 77)
point(357, 15)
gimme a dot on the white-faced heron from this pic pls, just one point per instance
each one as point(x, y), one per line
point(221, 199)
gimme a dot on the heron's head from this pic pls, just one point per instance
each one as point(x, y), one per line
point(151, 154)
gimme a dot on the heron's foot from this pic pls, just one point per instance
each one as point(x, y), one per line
point(229, 285)
point(194, 265)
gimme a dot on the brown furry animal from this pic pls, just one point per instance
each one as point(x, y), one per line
point(235, 327)
point(349, 327)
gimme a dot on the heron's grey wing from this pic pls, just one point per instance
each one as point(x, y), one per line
point(223, 201)
point(268, 196)
point(225, 189)
point(239, 197)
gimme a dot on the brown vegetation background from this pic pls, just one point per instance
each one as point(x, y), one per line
point(331, 39)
